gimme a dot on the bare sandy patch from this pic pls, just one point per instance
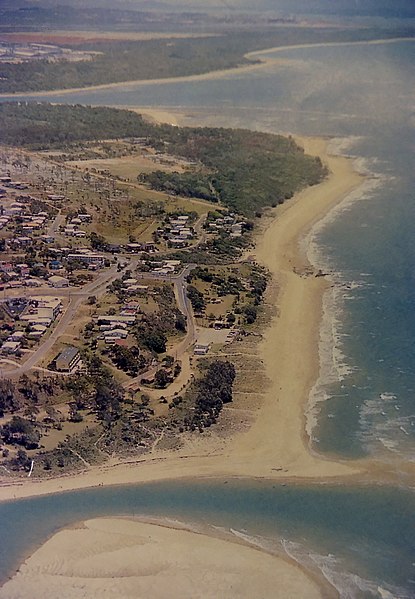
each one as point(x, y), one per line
point(127, 167)
point(108, 558)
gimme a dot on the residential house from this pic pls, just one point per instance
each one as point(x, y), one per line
point(68, 360)
point(47, 238)
point(37, 331)
point(85, 218)
point(201, 349)
point(53, 197)
point(52, 303)
point(10, 347)
point(16, 336)
point(57, 281)
point(55, 265)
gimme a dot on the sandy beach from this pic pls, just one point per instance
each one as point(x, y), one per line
point(119, 558)
point(276, 446)
point(219, 74)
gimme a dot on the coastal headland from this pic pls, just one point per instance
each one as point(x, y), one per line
point(120, 557)
point(249, 61)
point(276, 445)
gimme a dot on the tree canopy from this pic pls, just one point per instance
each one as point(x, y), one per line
point(244, 170)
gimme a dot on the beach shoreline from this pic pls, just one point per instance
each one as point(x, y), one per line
point(258, 59)
point(276, 446)
point(154, 556)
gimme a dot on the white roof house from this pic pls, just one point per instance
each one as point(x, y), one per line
point(201, 349)
point(10, 347)
point(118, 333)
point(16, 336)
point(57, 281)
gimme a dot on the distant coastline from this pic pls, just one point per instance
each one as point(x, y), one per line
point(258, 55)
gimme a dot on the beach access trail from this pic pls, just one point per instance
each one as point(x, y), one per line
point(276, 445)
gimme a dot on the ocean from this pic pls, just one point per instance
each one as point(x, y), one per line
point(363, 405)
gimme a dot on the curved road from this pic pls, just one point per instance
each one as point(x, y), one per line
point(184, 305)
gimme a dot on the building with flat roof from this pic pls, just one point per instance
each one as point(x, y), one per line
point(10, 347)
point(68, 359)
point(57, 281)
point(16, 336)
point(90, 258)
point(116, 319)
point(201, 349)
point(52, 303)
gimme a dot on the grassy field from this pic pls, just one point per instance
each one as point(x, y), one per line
point(127, 167)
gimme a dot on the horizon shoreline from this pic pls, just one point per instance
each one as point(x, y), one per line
point(276, 446)
point(260, 63)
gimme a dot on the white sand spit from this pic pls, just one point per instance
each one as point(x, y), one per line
point(120, 559)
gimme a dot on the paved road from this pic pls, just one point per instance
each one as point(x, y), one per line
point(184, 305)
point(56, 223)
point(76, 298)
point(98, 287)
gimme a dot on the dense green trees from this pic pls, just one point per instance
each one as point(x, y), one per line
point(42, 125)
point(196, 299)
point(161, 378)
point(188, 185)
point(244, 170)
point(212, 391)
point(20, 431)
point(151, 334)
point(98, 242)
point(251, 313)
point(9, 400)
point(127, 359)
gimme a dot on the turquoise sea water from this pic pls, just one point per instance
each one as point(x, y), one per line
point(364, 403)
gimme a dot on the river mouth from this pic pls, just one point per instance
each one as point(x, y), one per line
point(369, 530)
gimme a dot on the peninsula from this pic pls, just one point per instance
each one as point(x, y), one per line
point(160, 395)
point(205, 388)
point(248, 329)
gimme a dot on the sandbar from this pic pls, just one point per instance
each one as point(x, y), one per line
point(119, 559)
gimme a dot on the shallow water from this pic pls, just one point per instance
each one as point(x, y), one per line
point(365, 531)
